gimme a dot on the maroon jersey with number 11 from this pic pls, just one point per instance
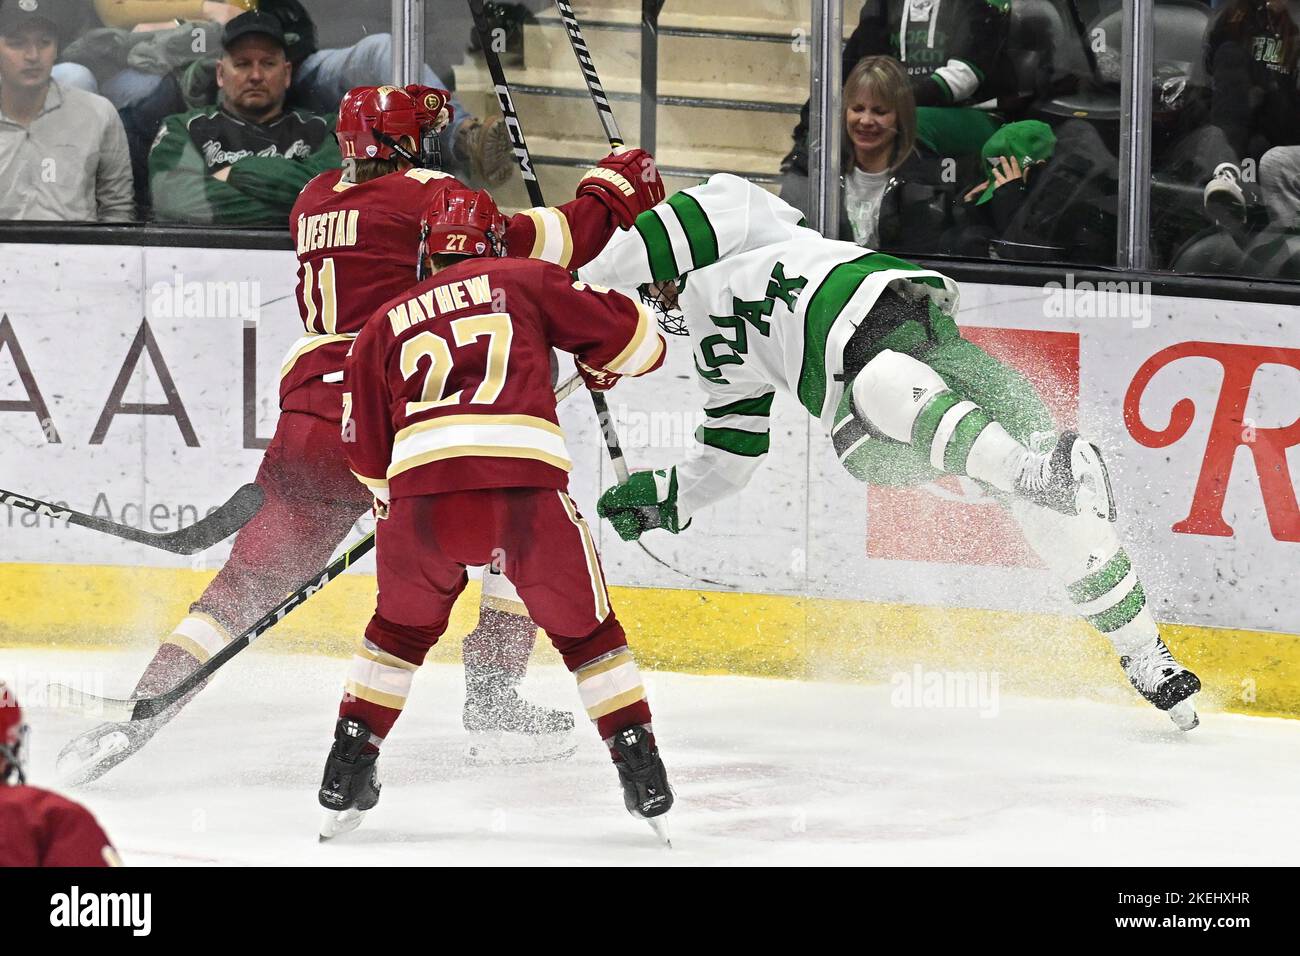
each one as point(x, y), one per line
point(357, 246)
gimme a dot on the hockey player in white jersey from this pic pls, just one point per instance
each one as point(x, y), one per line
point(868, 345)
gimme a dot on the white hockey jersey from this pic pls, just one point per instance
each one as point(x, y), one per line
point(770, 305)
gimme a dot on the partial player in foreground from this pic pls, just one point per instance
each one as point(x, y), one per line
point(357, 231)
point(868, 345)
point(450, 421)
point(37, 827)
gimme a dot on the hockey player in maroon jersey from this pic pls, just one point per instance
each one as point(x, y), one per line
point(451, 422)
point(37, 827)
point(357, 232)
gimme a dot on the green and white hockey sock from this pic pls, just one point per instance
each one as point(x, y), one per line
point(961, 439)
point(1086, 556)
point(908, 401)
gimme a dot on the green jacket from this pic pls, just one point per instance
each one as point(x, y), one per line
point(269, 165)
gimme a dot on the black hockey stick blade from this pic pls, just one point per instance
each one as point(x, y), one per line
point(142, 708)
point(203, 534)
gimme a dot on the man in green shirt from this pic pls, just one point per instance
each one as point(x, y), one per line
point(244, 161)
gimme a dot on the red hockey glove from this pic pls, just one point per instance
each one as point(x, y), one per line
point(627, 181)
point(597, 379)
point(433, 107)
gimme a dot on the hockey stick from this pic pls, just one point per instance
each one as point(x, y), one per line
point(615, 136)
point(534, 189)
point(606, 114)
point(203, 534)
point(142, 708)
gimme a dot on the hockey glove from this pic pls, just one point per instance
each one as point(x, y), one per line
point(627, 181)
point(596, 379)
point(433, 107)
point(648, 499)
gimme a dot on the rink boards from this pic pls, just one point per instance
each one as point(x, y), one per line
point(141, 384)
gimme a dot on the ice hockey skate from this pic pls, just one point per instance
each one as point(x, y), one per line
point(94, 753)
point(1070, 478)
point(646, 792)
point(504, 728)
point(1167, 684)
point(350, 786)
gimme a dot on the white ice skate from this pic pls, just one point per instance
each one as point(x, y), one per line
point(504, 729)
point(1164, 682)
point(1070, 478)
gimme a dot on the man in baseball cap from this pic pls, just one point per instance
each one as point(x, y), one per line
point(63, 152)
point(254, 72)
point(244, 161)
point(57, 15)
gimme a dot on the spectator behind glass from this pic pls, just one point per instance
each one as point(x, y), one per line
point(478, 151)
point(63, 153)
point(1046, 194)
point(243, 162)
point(949, 50)
point(880, 134)
point(896, 192)
point(1251, 51)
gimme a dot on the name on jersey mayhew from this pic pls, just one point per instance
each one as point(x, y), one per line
point(441, 298)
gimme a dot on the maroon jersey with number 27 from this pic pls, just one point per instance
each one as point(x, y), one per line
point(449, 384)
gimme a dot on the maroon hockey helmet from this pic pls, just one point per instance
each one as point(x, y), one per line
point(372, 121)
point(13, 734)
point(463, 222)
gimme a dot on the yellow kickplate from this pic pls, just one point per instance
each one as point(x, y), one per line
point(694, 631)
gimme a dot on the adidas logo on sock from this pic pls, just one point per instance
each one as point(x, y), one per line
point(917, 392)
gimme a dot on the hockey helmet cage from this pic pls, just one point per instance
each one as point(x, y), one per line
point(434, 112)
point(13, 735)
point(372, 121)
point(664, 300)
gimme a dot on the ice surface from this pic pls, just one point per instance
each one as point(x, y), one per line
point(765, 771)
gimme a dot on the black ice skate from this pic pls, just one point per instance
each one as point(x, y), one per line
point(350, 785)
point(100, 749)
point(646, 792)
point(1165, 683)
point(1070, 478)
point(506, 729)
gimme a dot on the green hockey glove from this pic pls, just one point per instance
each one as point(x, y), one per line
point(648, 499)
